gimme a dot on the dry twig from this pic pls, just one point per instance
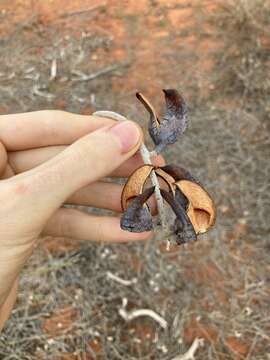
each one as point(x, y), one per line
point(130, 315)
point(189, 355)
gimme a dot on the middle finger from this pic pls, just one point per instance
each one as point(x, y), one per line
point(24, 160)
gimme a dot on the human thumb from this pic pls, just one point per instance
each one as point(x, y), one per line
point(91, 157)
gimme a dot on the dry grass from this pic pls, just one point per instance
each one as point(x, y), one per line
point(243, 26)
point(218, 288)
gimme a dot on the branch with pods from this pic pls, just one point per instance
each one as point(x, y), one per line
point(192, 205)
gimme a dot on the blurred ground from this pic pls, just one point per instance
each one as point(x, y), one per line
point(104, 51)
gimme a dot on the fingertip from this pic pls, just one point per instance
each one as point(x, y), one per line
point(129, 135)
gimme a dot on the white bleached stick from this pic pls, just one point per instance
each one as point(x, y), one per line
point(121, 281)
point(53, 69)
point(189, 355)
point(133, 314)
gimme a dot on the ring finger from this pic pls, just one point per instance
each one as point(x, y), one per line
point(103, 195)
point(79, 225)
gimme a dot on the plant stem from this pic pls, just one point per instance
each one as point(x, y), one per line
point(147, 160)
point(146, 156)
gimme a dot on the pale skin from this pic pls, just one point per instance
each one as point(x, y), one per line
point(50, 158)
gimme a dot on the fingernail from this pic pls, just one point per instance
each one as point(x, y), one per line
point(128, 134)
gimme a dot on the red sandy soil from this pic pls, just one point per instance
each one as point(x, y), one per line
point(143, 35)
point(150, 41)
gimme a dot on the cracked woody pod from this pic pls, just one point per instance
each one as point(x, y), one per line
point(193, 198)
point(183, 227)
point(173, 123)
point(201, 209)
point(137, 217)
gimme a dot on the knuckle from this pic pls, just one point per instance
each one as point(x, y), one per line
point(49, 118)
point(14, 190)
point(44, 180)
point(63, 223)
point(13, 195)
point(55, 114)
point(59, 114)
point(88, 153)
point(100, 233)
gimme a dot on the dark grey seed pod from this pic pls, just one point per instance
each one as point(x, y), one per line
point(173, 123)
point(181, 199)
point(137, 217)
point(183, 227)
point(184, 235)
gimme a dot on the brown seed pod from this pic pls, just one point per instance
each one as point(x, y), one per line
point(135, 183)
point(201, 209)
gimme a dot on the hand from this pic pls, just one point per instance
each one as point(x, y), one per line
point(40, 171)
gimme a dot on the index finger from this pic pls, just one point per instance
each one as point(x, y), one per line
point(46, 127)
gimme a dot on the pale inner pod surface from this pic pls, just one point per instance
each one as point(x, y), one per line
point(167, 178)
point(201, 209)
point(135, 183)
